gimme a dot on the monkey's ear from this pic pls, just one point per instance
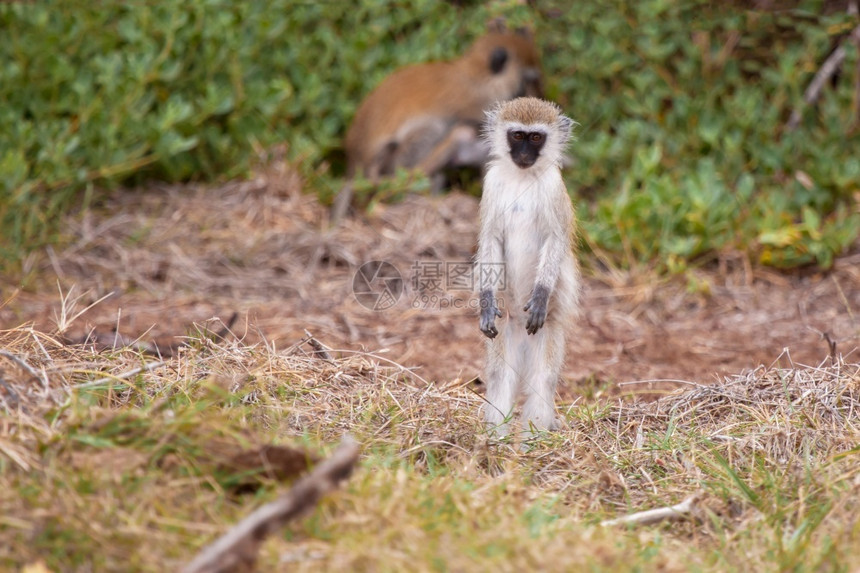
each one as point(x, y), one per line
point(565, 125)
point(491, 118)
point(498, 59)
point(497, 26)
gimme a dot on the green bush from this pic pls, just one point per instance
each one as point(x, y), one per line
point(681, 150)
point(683, 106)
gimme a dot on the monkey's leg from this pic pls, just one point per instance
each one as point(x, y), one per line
point(545, 357)
point(381, 165)
point(341, 203)
point(461, 147)
point(501, 384)
point(437, 183)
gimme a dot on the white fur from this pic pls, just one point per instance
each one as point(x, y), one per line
point(526, 224)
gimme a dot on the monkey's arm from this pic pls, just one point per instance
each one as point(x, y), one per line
point(490, 268)
point(552, 254)
point(461, 147)
point(489, 313)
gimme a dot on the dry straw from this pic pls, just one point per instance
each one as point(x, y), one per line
point(717, 443)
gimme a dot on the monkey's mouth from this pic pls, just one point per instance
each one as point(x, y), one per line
point(524, 162)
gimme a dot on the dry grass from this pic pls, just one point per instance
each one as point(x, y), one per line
point(128, 473)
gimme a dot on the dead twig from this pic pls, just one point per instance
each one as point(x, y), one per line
point(650, 516)
point(828, 68)
point(226, 326)
point(831, 348)
point(30, 370)
point(237, 549)
point(320, 351)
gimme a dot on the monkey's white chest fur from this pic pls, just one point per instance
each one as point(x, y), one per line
point(526, 224)
point(523, 204)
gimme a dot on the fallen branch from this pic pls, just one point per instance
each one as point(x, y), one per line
point(828, 68)
point(320, 351)
point(23, 364)
point(650, 516)
point(237, 549)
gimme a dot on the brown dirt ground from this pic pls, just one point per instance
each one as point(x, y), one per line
point(168, 257)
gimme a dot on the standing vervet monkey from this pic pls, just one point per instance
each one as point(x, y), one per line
point(428, 116)
point(526, 266)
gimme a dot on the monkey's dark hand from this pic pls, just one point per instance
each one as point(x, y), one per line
point(536, 307)
point(489, 312)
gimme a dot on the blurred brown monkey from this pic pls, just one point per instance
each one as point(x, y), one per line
point(428, 116)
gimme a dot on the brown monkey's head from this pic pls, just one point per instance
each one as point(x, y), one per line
point(507, 61)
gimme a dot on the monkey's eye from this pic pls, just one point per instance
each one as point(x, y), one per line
point(536, 137)
point(519, 135)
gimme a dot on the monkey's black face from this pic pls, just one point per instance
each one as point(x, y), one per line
point(525, 147)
